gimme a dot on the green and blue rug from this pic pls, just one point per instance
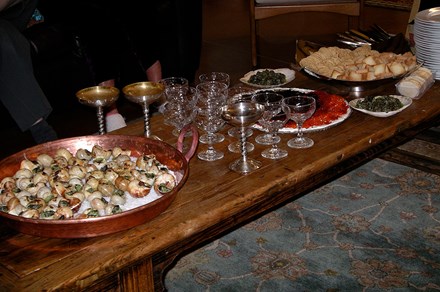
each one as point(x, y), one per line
point(375, 229)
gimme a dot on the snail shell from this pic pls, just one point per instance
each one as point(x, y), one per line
point(138, 189)
point(45, 160)
point(27, 164)
point(83, 154)
point(63, 152)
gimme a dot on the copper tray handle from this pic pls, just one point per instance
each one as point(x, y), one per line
point(194, 144)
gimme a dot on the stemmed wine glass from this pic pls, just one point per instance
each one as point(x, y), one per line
point(180, 110)
point(211, 96)
point(208, 94)
point(273, 119)
point(239, 94)
point(221, 77)
point(174, 86)
point(299, 109)
point(215, 76)
point(243, 114)
point(98, 97)
point(266, 138)
point(144, 93)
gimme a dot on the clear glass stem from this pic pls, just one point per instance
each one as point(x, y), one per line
point(300, 132)
point(274, 144)
point(210, 154)
point(210, 139)
point(210, 149)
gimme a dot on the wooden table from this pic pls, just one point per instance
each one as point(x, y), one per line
point(213, 201)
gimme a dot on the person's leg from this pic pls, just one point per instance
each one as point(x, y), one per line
point(20, 13)
point(19, 90)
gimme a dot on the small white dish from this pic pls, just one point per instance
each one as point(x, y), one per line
point(289, 73)
point(406, 101)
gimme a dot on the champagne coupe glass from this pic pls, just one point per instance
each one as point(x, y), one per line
point(209, 120)
point(210, 94)
point(235, 131)
point(215, 76)
point(238, 93)
point(243, 114)
point(181, 110)
point(221, 77)
point(174, 86)
point(266, 138)
point(299, 109)
point(273, 119)
point(144, 93)
point(98, 97)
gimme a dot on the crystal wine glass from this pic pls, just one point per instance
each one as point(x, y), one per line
point(174, 86)
point(273, 119)
point(266, 138)
point(221, 77)
point(211, 94)
point(299, 109)
point(243, 114)
point(98, 97)
point(210, 121)
point(239, 94)
point(181, 110)
point(215, 76)
point(144, 93)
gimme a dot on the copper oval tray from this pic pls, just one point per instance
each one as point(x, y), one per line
point(91, 227)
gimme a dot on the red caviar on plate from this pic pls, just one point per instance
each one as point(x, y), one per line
point(330, 108)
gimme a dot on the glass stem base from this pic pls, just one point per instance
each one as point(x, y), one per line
point(245, 166)
point(267, 139)
point(274, 153)
point(210, 155)
point(300, 142)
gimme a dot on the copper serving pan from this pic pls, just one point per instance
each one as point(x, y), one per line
point(91, 227)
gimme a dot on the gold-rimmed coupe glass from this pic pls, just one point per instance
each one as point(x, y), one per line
point(98, 97)
point(144, 93)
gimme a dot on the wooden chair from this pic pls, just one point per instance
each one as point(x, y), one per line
point(261, 9)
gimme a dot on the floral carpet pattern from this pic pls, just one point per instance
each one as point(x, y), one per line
point(375, 229)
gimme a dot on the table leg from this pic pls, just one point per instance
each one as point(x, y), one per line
point(138, 277)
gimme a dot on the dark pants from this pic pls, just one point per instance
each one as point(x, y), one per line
point(19, 90)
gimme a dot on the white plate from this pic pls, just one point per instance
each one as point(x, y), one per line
point(289, 73)
point(406, 101)
point(429, 15)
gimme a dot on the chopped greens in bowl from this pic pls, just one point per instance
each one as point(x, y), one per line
point(381, 106)
point(381, 103)
point(267, 77)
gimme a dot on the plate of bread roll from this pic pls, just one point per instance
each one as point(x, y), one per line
point(358, 66)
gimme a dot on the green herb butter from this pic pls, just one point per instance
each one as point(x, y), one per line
point(267, 77)
point(381, 103)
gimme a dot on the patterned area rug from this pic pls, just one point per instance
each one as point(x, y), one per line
point(395, 4)
point(375, 229)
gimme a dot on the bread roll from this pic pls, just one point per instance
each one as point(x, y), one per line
point(416, 84)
